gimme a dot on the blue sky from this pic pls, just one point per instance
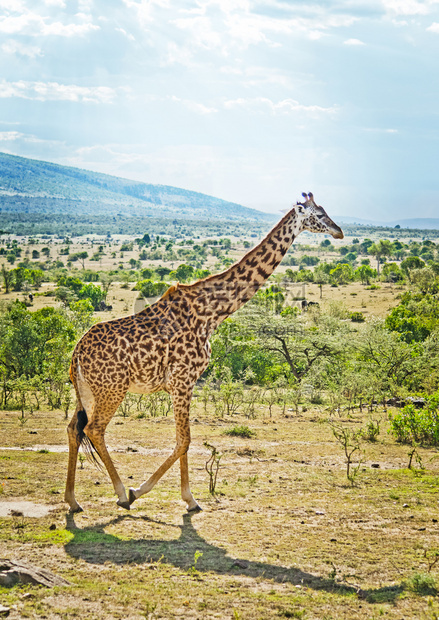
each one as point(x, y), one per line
point(253, 101)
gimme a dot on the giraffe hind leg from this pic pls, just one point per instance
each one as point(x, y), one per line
point(94, 431)
point(69, 495)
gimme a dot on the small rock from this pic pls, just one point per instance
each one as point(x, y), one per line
point(240, 564)
point(302, 522)
point(333, 540)
point(375, 465)
point(422, 529)
point(52, 526)
point(434, 520)
point(130, 477)
point(16, 513)
point(319, 512)
point(4, 611)
point(32, 432)
point(405, 506)
point(97, 483)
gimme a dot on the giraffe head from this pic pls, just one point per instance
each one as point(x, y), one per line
point(315, 219)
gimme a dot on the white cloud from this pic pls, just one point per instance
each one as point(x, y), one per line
point(226, 25)
point(58, 3)
point(20, 49)
point(145, 9)
point(201, 31)
point(194, 106)
point(434, 27)
point(6, 136)
point(126, 34)
point(20, 24)
point(68, 30)
point(379, 130)
point(285, 106)
point(52, 91)
point(11, 5)
point(353, 42)
point(33, 24)
point(410, 7)
point(18, 136)
point(180, 55)
point(85, 6)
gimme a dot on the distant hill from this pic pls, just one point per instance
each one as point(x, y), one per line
point(422, 223)
point(32, 186)
point(419, 223)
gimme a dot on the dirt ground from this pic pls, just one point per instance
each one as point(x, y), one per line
point(287, 536)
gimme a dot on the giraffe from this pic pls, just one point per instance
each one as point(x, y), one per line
point(166, 347)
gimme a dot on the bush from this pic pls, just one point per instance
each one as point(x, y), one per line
point(413, 425)
point(423, 584)
point(149, 288)
point(357, 317)
point(372, 430)
point(240, 431)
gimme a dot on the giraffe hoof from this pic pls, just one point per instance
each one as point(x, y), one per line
point(131, 497)
point(195, 509)
point(77, 508)
point(125, 504)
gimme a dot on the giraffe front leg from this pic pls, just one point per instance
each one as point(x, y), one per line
point(181, 403)
point(186, 495)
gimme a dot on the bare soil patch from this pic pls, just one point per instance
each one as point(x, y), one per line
point(22, 508)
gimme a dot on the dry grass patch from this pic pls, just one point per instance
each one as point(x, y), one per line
point(286, 537)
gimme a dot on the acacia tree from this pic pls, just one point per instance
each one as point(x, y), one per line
point(411, 263)
point(7, 278)
point(295, 345)
point(379, 250)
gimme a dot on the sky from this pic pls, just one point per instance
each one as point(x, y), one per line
point(252, 101)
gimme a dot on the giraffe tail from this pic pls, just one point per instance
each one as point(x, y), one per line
point(87, 402)
point(87, 445)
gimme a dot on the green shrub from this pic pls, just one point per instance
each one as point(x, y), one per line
point(149, 288)
point(417, 425)
point(357, 317)
point(240, 431)
point(372, 430)
point(423, 584)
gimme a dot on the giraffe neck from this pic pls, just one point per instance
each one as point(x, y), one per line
point(220, 295)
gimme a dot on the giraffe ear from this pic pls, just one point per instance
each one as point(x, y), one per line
point(304, 195)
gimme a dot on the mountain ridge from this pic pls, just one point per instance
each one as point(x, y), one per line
point(37, 186)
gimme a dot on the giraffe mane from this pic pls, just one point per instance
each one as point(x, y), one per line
point(170, 291)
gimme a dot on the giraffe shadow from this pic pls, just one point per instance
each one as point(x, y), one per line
point(93, 545)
